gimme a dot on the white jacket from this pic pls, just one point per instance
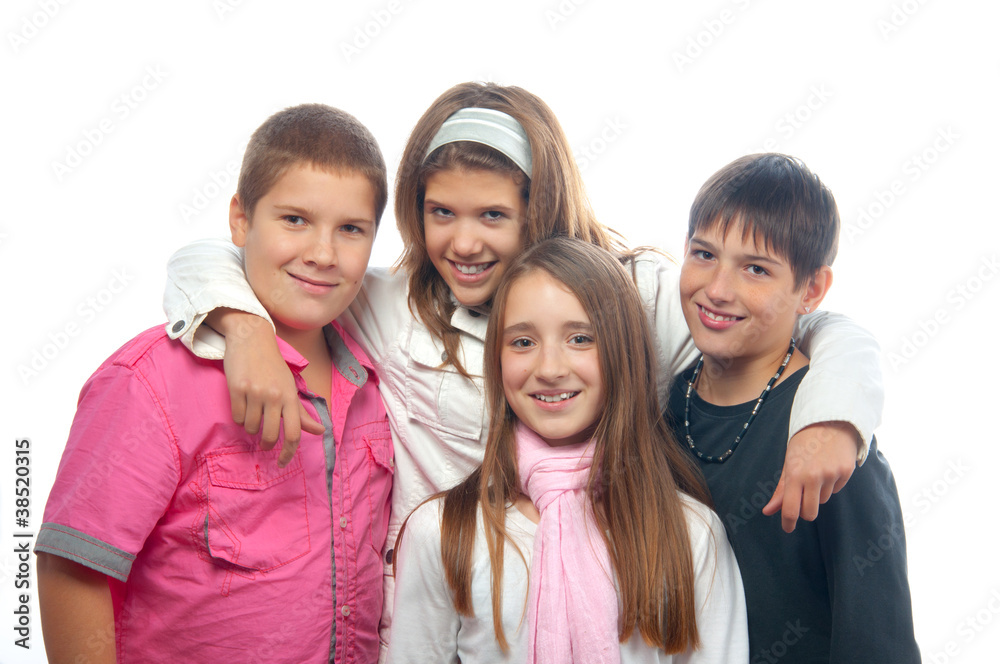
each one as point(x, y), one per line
point(438, 417)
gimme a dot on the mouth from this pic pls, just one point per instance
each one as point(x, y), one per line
point(714, 320)
point(312, 285)
point(471, 272)
point(720, 318)
point(554, 398)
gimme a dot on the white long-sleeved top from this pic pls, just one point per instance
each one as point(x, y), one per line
point(438, 417)
point(426, 627)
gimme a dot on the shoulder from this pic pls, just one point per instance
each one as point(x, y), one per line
point(383, 282)
point(151, 353)
point(704, 526)
point(423, 526)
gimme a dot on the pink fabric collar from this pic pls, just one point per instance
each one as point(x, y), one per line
point(572, 600)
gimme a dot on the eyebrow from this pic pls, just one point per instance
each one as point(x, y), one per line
point(305, 212)
point(528, 326)
point(491, 206)
point(751, 257)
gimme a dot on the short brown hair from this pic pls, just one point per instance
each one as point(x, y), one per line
point(323, 136)
point(777, 201)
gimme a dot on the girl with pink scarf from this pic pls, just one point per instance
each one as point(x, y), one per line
point(585, 536)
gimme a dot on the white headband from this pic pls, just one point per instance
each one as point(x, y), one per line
point(488, 127)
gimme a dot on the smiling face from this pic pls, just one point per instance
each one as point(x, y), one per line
point(739, 299)
point(472, 229)
point(307, 246)
point(549, 360)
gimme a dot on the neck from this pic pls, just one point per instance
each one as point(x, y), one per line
point(732, 381)
point(311, 345)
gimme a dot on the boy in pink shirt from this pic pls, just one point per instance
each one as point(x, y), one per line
point(170, 535)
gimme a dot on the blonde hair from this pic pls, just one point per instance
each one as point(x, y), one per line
point(638, 466)
point(556, 202)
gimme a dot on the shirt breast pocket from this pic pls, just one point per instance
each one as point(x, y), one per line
point(374, 441)
point(257, 515)
point(438, 396)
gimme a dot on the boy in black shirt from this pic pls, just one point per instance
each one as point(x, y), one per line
point(761, 237)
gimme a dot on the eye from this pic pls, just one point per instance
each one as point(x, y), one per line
point(702, 254)
point(581, 339)
point(294, 220)
point(441, 212)
point(494, 215)
point(757, 270)
point(351, 229)
point(522, 342)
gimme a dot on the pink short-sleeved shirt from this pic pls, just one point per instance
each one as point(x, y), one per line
point(213, 553)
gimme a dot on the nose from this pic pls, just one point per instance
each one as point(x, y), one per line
point(720, 286)
point(467, 240)
point(321, 251)
point(551, 362)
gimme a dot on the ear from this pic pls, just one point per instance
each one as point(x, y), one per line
point(815, 289)
point(239, 223)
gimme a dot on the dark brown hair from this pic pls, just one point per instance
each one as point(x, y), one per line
point(775, 200)
point(325, 137)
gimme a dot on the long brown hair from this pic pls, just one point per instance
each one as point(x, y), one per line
point(556, 202)
point(638, 467)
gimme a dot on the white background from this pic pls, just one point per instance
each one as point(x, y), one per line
point(157, 99)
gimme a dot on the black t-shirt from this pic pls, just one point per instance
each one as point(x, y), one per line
point(834, 590)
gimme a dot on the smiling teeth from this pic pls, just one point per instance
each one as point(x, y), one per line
point(555, 397)
point(717, 317)
point(471, 269)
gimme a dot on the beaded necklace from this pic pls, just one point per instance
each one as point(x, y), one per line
point(760, 400)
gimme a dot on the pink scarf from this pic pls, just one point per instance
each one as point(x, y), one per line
point(572, 601)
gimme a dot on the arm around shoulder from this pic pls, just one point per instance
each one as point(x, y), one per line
point(844, 383)
point(201, 277)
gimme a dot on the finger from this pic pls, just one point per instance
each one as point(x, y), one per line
point(825, 492)
point(810, 503)
point(790, 506)
point(308, 423)
point(288, 449)
point(252, 415)
point(271, 425)
point(774, 504)
point(238, 404)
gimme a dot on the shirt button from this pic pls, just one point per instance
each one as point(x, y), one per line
point(444, 356)
point(346, 610)
point(343, 522)
point(388, 557)
point(178, 326)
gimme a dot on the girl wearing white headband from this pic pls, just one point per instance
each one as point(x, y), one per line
point(465, 210)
